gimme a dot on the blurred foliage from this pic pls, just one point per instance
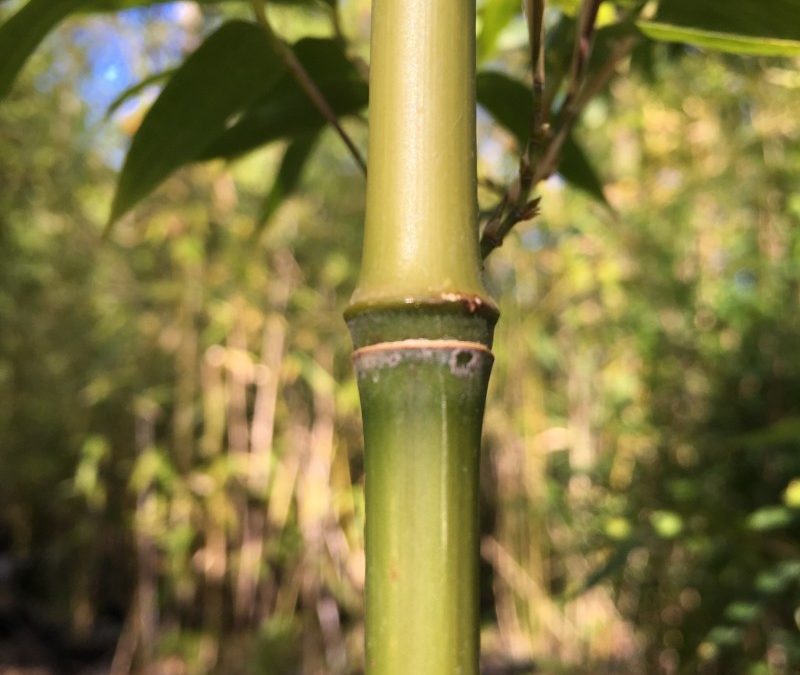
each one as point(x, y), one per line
point(181, 488)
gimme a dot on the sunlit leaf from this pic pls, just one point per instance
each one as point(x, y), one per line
point(286, 111)
point(738, 26)
point(234, 67)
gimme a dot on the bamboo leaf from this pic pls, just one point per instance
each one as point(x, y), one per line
point(736, 26)
point(286, 110)
point(137, 89)
point(22, 33)
point(234, 67)
point(576, 168)
point(287, 178)
point(509, 102)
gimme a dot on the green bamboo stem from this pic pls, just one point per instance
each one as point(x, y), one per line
point(420, 238)
point(422, 406)
point(422, 327)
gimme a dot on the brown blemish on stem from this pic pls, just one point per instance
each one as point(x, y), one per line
point(472, 302)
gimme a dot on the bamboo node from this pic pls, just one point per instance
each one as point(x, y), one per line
point(462, 358)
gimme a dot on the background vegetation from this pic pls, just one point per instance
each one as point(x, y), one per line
point(181, 488)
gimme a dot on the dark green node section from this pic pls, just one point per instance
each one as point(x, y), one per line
point(422, 411)
point(468, 319)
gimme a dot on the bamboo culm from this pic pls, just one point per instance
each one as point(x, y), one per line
point(422, 324)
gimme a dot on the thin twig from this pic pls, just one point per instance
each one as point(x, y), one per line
point(305, 81)
point(590, 89)
point(580, 54)
point(537, 133)
point(505, 217)
point(535, 15)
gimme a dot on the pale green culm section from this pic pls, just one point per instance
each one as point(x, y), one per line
point(422, 426)
point(421, 237)
point(421, 280)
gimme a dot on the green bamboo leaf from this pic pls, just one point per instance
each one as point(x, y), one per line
point(137, 89)
point(736, 26)
point(576, 168)
point(287, 178)
point(22, 33)
point(234, 67)
point(285, 111)
point(509, 102)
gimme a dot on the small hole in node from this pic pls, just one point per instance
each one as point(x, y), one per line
point(463, 359)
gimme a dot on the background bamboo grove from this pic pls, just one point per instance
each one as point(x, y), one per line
point(181, 461)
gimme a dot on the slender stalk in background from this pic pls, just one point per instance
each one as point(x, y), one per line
point(422, 326)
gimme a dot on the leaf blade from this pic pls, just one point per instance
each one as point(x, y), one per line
point(286, 111)
point(232, 68)
point(735, 26)
point(24, 31)
point(719, 41)
point(136, 89)
point(576, 168)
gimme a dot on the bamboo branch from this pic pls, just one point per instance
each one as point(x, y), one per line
point(515, 206)
point(535, 16)
point(305, 82)
point(537, 134)
point(581, 52)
